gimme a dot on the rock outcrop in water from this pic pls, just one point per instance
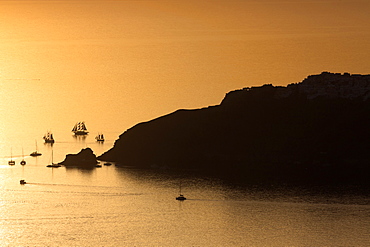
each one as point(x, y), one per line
point(317, 130)
point(84, 159)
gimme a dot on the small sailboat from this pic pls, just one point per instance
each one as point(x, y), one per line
point(52, 165)
point(99, 138)
point(11, 162)
point(35, 153)
point(23, 162)
point(180, 197)
point(48, 137)
point(80, 129)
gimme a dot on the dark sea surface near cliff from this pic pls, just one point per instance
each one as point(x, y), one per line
point(113, 206)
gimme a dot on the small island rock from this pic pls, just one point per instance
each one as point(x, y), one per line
point(84, 159)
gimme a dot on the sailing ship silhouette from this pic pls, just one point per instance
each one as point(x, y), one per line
point(80, 129)
point(48, 137)
point(99, 138)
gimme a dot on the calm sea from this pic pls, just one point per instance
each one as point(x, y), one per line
point(111, 206)
point(114, 64)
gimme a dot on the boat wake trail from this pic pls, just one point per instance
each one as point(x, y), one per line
point(205, 200)
point(78, 185)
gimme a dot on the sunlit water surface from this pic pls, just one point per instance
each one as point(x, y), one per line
point(113, 206)
point(114, 64)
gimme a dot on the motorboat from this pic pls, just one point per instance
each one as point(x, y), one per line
point(35, 153)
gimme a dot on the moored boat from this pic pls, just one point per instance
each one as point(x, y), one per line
point(11, 162)
point(53, 165)
point(35, 153)
point(23, 162)
point(180, 197)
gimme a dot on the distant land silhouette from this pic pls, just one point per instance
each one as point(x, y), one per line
point(315, 131)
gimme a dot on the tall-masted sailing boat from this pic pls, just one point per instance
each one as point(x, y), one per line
point(180, 197)
point(80, 129)
point(52, 165)
point(48, 137)
point(11, 162)
point(35, 153)
point(23, 162)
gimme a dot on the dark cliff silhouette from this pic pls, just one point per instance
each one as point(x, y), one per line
point(315, 131)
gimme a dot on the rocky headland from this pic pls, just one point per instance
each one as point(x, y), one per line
point(314, 131)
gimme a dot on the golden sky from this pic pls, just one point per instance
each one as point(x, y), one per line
point(147, 58)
